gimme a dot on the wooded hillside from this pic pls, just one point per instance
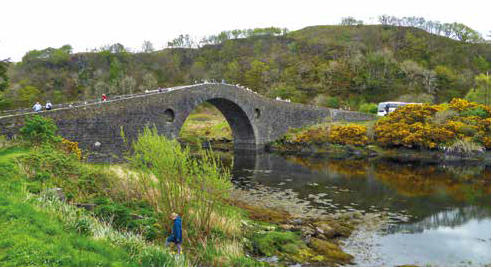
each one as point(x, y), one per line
point(338, 66)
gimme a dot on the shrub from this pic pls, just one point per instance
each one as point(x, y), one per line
point(317, 135)
point(72, 147)
point(368, 108)
point(327, 101)
point(431, 126)
point(477, 111)
point(271, 243)
point(38, 130)
point(174, 181)
point(351, 134)
point(464, 148)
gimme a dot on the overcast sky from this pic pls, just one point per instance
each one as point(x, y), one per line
point(27, 25)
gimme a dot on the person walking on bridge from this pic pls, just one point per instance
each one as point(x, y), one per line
point(37, 107)
point(48, 105)
point(176, 236)
point(103, 97)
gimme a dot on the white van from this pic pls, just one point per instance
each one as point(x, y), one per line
point(392, 107)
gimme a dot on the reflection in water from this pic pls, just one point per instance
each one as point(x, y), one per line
point(448, 218)
point(466, 245)
point(445, 201)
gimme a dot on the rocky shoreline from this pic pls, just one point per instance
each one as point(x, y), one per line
point(320, 235)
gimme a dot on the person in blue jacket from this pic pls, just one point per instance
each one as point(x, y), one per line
point(175, 236)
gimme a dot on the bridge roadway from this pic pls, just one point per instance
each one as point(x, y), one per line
point(254, 119)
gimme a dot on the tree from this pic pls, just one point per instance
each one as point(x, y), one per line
point(285, 92)
point(4, 101)
point(100, 87)
point(255, 77)
point(127, 85)
point(182, 41)
point(28, 95)
point(482, 92)
point(327, 101)
point(198, 70)
point(61, 55)
point(4, 79)
point(233, 72)
point(149, 82)
point(147, 46)
point(464, 33)
point(116, 69)
point(350, 21)
point(116, 48)
point(413, 73)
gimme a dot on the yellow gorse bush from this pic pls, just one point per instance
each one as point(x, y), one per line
point(412, 125)
point(72, 147)
point(351, 134)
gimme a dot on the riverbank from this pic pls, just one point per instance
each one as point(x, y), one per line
point(107, 205)
point(334, 151)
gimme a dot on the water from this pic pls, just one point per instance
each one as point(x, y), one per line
point(439, 214)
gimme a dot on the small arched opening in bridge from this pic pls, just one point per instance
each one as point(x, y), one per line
point(220, 121)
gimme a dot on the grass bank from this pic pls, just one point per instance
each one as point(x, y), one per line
point(35, 233)
point(60, 211)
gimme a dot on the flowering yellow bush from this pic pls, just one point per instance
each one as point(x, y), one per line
point(316, 135)
point(412, 125)
point(72, 147)
point(461, 104)
point(351, 134)
point(414, 113)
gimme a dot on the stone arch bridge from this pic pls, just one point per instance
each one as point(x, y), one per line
point(254, 119)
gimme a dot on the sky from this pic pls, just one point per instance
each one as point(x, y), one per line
point(26, 25)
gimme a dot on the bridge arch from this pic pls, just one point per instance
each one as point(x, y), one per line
point(254, 120)
point(238, 118)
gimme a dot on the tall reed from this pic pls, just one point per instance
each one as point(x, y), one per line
point(175, 181)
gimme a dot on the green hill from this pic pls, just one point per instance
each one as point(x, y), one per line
point(338, 66)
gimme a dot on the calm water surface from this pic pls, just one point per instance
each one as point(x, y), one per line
point(442, 212)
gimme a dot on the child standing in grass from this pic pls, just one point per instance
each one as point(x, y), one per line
point(175, 236)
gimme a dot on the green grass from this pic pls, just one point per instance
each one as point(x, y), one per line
point(204, 124)
point(37, 234)
point(272, 243)
point(31, 237)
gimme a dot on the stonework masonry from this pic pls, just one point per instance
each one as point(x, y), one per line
point(254, 119)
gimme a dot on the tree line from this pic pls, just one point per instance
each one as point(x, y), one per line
point(455, 30)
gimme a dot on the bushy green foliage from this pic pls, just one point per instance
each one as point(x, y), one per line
point(4, 79)
point(41, 230)
point(38, 130)
point(482, 92)
point(192, 187)
point(133, 216)
point(327, 101)
point(269, 244)
point(27, 234)
point(368, 108)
